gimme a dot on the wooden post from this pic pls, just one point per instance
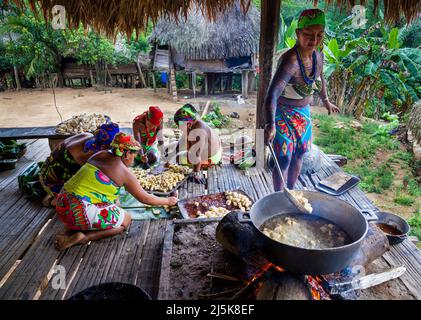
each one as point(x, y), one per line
point(210, 83)
point(153, 81)
point(142, 78)
point(133, 81)
point(189, 76)
point(173, 85)
point(169, 81)
point(206, 85)
point(229, 82)
point(193, 81)
point(92, 77)
point(244, 83)
point(17, 80)
point(269, 26)
point(252, 81)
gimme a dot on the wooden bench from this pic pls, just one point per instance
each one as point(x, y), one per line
point(40, 133)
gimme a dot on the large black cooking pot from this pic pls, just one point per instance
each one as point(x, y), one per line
point(309, 261)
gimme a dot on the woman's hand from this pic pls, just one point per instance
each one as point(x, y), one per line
point(331, 107)
point(171, 201)
point(270, 133)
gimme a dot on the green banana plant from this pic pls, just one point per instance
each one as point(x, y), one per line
point(369, 67)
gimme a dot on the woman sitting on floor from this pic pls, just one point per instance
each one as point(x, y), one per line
point(87, 203)
point(146, 128)
point(200, 145)
point(67, 158)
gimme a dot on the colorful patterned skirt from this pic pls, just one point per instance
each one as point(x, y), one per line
point(79, 214)
point(293, 130)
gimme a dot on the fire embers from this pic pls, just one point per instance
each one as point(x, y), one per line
point(274, 283)
point(318, 292)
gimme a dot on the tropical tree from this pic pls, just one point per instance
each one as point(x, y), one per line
point(364, 70)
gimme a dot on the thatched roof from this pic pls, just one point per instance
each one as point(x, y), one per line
point(393, 9)
point(232, 34)
point(112, 16)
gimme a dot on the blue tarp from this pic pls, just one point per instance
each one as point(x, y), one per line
point(164, 77)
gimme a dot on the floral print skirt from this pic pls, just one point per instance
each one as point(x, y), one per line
point(79, 214)
point(293, 130)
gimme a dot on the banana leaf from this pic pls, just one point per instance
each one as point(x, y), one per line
point(29, 182)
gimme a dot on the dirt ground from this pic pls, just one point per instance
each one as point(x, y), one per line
point(35, 107)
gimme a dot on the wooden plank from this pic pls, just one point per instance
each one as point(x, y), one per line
point(137, 235)
point(408, 255)
point(70, 261)
point(16, 241)
point(212, 179)
point(40, 153)
point(134, 263)
point(164, 278)
point(25, 281)
point(102, 261)
point(30, 133)
point(92, 262)
point(244, 183)
point(149, 271)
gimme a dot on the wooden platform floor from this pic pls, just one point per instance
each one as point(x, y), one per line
point(28, 258)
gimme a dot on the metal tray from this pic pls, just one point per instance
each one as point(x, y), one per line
point(168, 193)
point(159, 170)
point(188, 209)
point(347, 186)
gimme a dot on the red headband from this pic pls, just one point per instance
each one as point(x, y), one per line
point(155, 115)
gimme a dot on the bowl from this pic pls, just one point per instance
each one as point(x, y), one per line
point(394, 227)
point(8, 164)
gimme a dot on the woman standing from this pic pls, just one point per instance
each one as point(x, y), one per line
point(287, 104)
point(88, 202)
point(67, 158)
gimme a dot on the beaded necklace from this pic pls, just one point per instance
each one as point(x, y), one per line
point(307, 79)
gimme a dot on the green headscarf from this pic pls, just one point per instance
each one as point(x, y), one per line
point(311, 17)
point(186, 113)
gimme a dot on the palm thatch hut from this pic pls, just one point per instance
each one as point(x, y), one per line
point(218, 49)
point(127, 16)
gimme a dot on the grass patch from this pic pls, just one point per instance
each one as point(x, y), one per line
point(404, 200)
point(349, 142)
point(413, 188)
point(372, 179)
point(415, 223)
point(361, 147)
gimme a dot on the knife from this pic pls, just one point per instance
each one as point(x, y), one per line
point(367, 281)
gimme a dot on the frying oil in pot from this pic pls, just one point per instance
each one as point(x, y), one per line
point(389, 229)
point(305, 231)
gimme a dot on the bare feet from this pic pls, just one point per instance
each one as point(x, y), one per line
point(62, 242)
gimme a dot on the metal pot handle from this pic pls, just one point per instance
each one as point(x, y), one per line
point(243, 217)
point(370, 215)
point(402, 237)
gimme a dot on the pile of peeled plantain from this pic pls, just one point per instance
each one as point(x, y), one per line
point(233, 198)
point(163, 182)
point(82, 123)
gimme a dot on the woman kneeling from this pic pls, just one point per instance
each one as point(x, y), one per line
point(87, 203)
